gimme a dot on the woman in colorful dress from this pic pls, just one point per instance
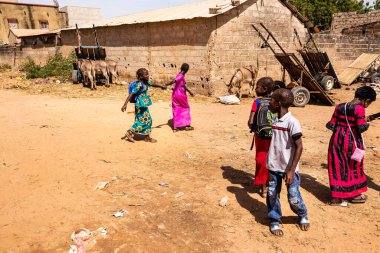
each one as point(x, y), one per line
point(347, 178)
point(143, 119)
point(180, 103)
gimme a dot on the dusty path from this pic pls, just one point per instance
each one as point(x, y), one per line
point(54, 151)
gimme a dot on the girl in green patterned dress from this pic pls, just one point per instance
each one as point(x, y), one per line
point(143, 119)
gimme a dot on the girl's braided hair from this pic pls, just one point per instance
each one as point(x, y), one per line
point(140, 72)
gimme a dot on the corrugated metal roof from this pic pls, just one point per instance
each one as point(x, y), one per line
point(186, 11)
point(20, 33)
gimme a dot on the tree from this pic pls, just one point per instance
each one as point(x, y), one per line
point(377, 5)
point(320, 12)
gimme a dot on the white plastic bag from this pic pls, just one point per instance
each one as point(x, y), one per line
point(229, 100)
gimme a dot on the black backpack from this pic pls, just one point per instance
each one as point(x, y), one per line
point(263, 119)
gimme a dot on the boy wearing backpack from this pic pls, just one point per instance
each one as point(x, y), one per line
point(260, 123)
point(138, 94)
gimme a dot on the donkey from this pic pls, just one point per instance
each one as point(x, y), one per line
point(100, 67)
point(88, 72)
point(241, 76)
point(112, 71)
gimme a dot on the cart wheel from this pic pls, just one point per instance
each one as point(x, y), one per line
point(328, 83)
point(74, 77)
point(375, 78)
point(301, 96)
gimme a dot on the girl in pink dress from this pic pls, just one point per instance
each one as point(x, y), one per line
point(180, 103)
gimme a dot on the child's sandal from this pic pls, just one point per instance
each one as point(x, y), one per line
point(128, 136)
point(189, 128)
point(151, 140)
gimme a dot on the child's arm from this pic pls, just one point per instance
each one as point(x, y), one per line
point(187, 89)
point(126, 102)
point(159, 86)
point(289, 177)
point(169, 83)
point(373, 117)
point(250, 119)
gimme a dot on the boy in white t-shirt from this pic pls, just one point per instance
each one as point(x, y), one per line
point(282, 161)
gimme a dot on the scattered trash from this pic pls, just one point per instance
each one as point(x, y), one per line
point(105, 161)
point(190, 156)
point(115, 178)
point(120, 213)
point(102, 231)
point(79, 239)
point(233, 137)
point(58, 82)
point(102, 185)
point(44, 126)
point(161, 226)
point(179, 194)
point(123, 83)
point(244, 149)
point(229, 100)
point(164, 184)
point(164, 193)
point(224, 201)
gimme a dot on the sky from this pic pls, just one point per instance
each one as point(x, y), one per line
point(112, 8)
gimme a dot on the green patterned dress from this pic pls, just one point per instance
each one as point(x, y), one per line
point(143, 119)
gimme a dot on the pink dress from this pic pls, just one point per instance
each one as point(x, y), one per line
point(180, 103)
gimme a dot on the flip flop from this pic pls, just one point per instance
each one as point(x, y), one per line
point(276, 227)
point(149, 139)
point(342, 204)
point(189, 128)
point(128, 136)
point(303, 221)
point(359, 199)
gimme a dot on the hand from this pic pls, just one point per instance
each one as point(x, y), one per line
point(124, 108)
point(192, 94)
point(164, 87)
point(250, 125)
point(289, 177)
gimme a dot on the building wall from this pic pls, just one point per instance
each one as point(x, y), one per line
point(345, 20)
point(16, 55)
point(343, 50)
point(81, 15)
point(28, 17)
point(236, 44)
point(368, 30)
point(214, 47)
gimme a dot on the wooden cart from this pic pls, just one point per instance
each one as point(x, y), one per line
point(308, 85)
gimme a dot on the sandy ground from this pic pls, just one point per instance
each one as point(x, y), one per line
point(59, 141)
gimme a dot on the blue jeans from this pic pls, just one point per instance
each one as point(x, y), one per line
point(294, 196)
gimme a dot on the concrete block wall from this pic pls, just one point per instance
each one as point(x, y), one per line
point(368, 30)
point(15, 56)
point(343, 49)
point(345, 20)
point(160, 47)
point(236, 44)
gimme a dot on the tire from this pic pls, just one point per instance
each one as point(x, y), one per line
point(74, 77)
point(328, 83)
point(301, 96)
point(375, 78)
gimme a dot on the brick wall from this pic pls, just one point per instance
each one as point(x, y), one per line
point(237, 44)
point(345, 20)
point(15, 55)
point(371, 30)
point(214, 47)
point(343, 50)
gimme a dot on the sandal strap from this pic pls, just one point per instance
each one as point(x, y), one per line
point(304, 220)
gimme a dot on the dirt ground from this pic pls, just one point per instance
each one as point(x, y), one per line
point(58, 141)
